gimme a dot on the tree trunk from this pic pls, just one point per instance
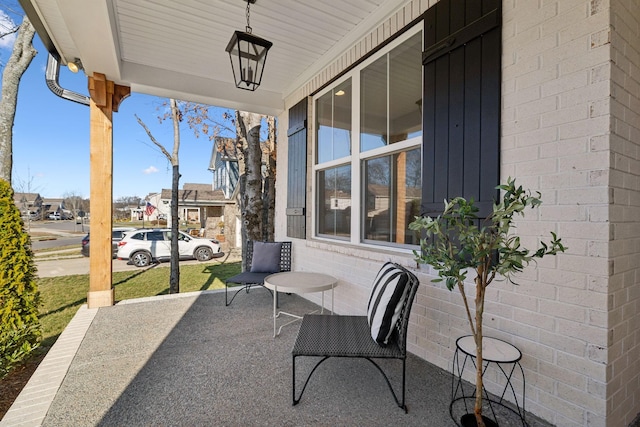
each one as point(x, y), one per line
point(256, 197)
point(21, 56)
point(269, 196)
point(174, 278)
point(241, 142)
point(478, 339)
point(251, 197)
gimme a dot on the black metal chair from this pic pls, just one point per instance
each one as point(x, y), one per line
point(350, 336)
point(247, 279)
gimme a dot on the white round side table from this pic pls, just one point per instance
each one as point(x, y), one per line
point(505, 357)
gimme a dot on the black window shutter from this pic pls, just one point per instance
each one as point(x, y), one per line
point(461, 103)
point(297, 171)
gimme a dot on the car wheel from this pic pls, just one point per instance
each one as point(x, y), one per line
point(141, 259)
point(203, 254)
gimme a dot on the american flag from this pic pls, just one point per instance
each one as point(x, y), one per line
point(149, 209)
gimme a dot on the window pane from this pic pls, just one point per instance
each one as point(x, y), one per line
point(392, 192)
point(391, 97)
point(405, 90)
point(334, 201)
point(155, 235)
point(334, 123)
point(373, 105)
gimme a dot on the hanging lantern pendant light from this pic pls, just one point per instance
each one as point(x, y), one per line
point(248, 54)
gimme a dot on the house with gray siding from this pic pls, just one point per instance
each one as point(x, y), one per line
point(224, 166)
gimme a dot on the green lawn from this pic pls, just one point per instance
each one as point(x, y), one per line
point(63, 296)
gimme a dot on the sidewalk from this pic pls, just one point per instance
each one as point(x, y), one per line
point(55, 232)
point(67, 266)
point(70, 265)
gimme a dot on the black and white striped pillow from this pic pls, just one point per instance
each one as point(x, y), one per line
point(385, 302)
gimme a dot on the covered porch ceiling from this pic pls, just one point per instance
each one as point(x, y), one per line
point(176, 49)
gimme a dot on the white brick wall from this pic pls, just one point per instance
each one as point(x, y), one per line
point(570, 129)
point(623, 394)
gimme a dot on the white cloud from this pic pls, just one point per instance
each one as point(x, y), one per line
point(6, 25)
point(150, 170)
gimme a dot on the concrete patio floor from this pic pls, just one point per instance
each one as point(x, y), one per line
point(187, 360)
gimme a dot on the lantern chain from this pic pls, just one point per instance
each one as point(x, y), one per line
point(249, 29)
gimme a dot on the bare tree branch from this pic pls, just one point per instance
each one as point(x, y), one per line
point(9, 32)
point(153, 139)
point(177, 118)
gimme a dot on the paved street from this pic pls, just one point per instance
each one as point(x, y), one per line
point(56, 234)
point(38, 245)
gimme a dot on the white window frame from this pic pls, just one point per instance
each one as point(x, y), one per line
point(356, 158)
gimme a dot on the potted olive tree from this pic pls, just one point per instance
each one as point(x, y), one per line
point(458, 242)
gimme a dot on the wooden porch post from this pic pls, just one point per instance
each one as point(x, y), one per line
point(105, 99)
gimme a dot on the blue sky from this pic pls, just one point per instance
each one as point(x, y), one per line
point(51, 140)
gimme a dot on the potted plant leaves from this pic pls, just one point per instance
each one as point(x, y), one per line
point(458, 242)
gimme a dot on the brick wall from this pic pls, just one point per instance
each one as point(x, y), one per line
point(570, 129)
point(555, 101)
point(623, 371)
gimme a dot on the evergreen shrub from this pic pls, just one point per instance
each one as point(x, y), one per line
point(20, 331)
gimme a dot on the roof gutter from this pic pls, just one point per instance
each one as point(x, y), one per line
point(53, 62)
point(52, 75)
point(32, 13)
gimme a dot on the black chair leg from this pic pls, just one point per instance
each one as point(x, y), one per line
point(244, 287)
point(296, 401)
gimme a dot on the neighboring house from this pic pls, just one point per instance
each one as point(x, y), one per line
point(160, 210)
point(543, 91)
point(28, 203)
point(224, 166)
point(226, 175)
point(200, 207)
point(51, 206)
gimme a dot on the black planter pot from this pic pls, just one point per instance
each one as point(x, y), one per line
point(469, 420)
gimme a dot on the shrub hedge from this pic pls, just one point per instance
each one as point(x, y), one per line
point(20, 331)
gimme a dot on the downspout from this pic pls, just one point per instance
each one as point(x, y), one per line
point(52, 75)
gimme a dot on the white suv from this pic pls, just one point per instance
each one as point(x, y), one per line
point(142, 247)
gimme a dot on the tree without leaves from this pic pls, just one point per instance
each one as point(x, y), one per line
point(74, 201)
point(121, 203)
point(176, 117)
point(258, 207)
point(20, 332)
point(251, 201)
point(21, 57)
point(26, 186)
point(269, 194)
point(127, 201)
